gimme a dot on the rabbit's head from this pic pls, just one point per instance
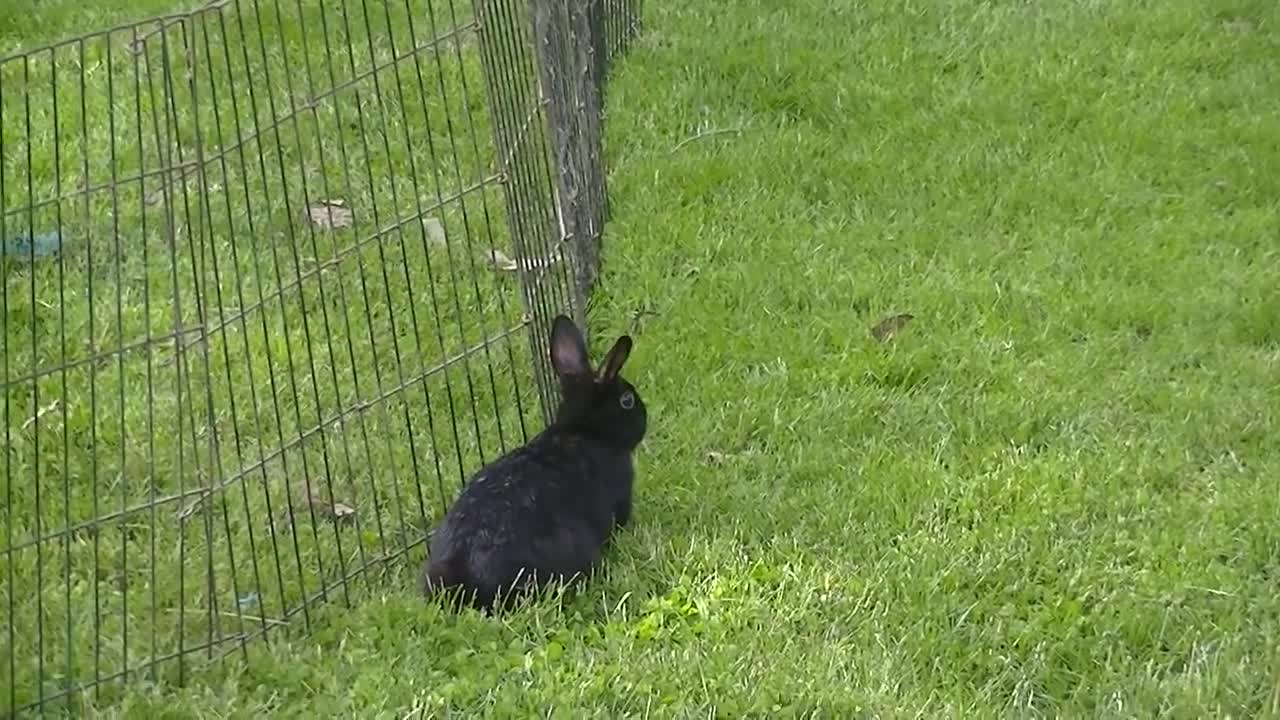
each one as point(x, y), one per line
point(599, 403)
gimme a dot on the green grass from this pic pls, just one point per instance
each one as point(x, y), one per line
point(28, 24)
point(1052, 493)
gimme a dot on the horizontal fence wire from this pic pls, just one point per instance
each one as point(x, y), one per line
point(278, 275)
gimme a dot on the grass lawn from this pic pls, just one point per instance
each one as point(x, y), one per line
point(1052, 492)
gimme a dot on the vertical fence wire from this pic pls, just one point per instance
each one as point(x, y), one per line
point(277, 276)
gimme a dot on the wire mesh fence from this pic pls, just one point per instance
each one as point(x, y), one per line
point(277, 275)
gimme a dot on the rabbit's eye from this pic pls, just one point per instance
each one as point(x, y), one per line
point(627, 401)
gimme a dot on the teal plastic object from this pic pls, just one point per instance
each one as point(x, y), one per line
point(23, 248)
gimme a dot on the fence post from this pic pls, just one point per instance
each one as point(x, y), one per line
point(513, 106)
point(568, 67)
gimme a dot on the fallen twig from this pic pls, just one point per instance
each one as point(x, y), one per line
point(230, 614)
point(706, 134)
point(41, 413)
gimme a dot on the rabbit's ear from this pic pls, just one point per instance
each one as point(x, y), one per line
point(568, 351)
point(614, 360)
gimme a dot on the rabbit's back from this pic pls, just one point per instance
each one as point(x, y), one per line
point(541, 511)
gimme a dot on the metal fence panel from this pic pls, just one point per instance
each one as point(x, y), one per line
point(277, 276)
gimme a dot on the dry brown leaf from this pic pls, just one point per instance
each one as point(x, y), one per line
point(330, 214)
point(502, 263)
point(337, 512)
point(886, 328)
point(435, 232)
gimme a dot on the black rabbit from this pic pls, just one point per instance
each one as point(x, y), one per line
point(545, 510)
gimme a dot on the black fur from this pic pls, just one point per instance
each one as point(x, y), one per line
point(545, 510)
